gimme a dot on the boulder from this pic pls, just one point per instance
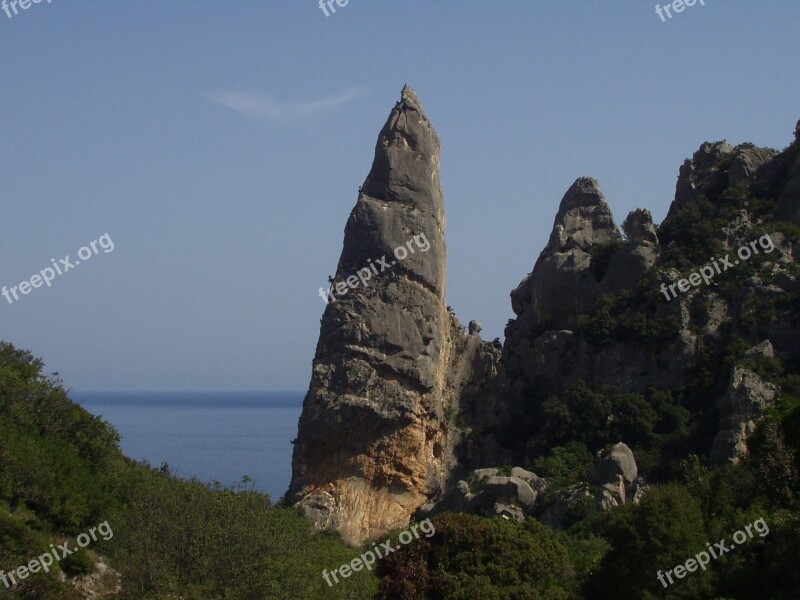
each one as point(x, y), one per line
point(510, 490)
point(509, 511)
point(616, 462)
point(611, 495)
point(480, 474)
point(764, 349)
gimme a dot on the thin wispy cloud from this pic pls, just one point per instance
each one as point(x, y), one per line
point(258, 106)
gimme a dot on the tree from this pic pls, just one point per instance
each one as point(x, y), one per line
point(663, 531)
point(475, 557)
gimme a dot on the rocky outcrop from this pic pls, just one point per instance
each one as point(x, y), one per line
point(701, 174)
point(374, 441)
point(586, 258)
point(541, 350)
point(101, 582)
point(561, 286)
point(490, 493)
point(614, 481)
point(746, 401)
point(627, 266)
point(746, 163)
point(789, 198)
point(408, 412)
point(618, 477)
point(547, 349)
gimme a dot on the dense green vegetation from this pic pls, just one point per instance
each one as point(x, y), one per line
point(61, 473)
point(630, 316)
point(473, 557)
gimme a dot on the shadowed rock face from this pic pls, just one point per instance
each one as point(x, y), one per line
point(561, 286)
point(698, 174)
point(372, 439)
point(789, 199)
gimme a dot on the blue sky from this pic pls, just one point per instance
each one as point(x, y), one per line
point(221, 144)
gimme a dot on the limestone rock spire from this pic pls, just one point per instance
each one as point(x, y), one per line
point(372, 436)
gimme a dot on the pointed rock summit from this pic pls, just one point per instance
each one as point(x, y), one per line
point(373, 440)
point(401, 196)
point(561, 286)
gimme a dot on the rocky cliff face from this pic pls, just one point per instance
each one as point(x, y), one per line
point(562, 286)
point(373, 441)
point(404, 404)
point(590, 311)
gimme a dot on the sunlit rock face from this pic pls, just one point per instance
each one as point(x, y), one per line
point(373, 442)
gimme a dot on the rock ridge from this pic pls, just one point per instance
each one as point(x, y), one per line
point(408, 412)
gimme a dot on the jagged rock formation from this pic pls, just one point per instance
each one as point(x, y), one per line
point(699, 174)
point(562, 286)
point(542, 348)
point(626, 267)
point(408, 413)
point(746, 400)
point(374, 441)
point(547, 351)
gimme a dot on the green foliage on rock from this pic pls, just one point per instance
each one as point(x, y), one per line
point(629, 316)
point(570, 462)
point(601, 255)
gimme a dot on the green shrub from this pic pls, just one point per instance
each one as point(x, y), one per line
point(476, 557)
point(601, 256)
point(664, 530)
point(77, 563)
point(570, 462)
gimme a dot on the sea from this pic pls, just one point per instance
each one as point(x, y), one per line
point(214, 437)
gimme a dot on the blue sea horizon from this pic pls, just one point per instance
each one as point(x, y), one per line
point(211, 436)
